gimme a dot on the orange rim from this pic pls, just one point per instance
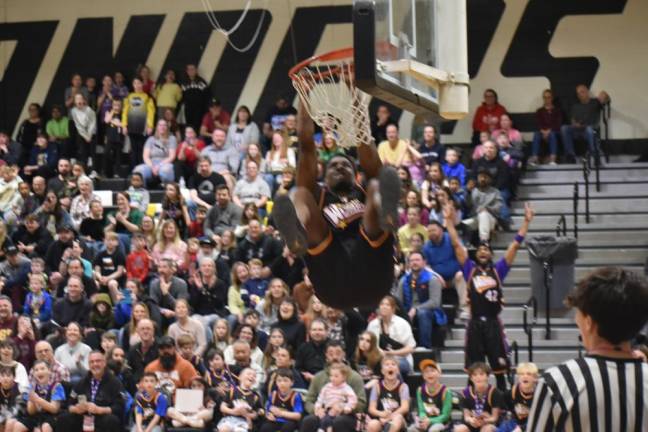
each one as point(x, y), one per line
point(332, 55)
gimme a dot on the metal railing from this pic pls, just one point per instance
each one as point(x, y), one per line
point(586, 172)
point(561, 226)
point(547, 267)
point(606, 113)
point(575, 209)
point(528, 327)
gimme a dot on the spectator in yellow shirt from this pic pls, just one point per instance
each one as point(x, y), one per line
point(412, 227)
point(395, 151)
point(168, 94)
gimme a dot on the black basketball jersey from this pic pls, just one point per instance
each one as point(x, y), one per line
point(433, 402)
point(389, 398)
point(245, 398)
point(148, 404)
point(343, 214)
point(286, 403)
point(485, 292)
point(480, 404)
point(9, 398)
point(519, 403)
point(215, 379)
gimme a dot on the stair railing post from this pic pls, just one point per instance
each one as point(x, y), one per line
point(547, 267)
point(575, 207)
point(586, 173)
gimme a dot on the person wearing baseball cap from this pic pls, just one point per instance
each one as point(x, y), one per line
point(433, 400)
point(172, 370)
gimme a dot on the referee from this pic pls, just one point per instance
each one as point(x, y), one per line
point(607, 390)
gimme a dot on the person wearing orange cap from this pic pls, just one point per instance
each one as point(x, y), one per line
point(433, 400)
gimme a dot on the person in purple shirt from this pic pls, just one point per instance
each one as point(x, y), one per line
point(484, 332)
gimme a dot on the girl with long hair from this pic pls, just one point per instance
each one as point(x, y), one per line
point(169, 245)
point(279, 157)
point(276, 340)
point(175, 208)
point(367, 357)
point(268, 307)
point(239, 275)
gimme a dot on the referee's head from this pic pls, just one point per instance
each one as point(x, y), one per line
point(612, 304)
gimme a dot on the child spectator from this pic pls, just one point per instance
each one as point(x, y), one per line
point(221, 335)
point(520, 398)
point(43, 404)
point(198, 418)
point(336, 398)
point(38, 304)
point(284, 406)
point(482, 402)
point(452, 167)
point(109, 267)
point(139, 195)
point(283, 361)
point(218, 375)
point(108, 342)
point(10, 398)
point(191, 256)
point(150, 405)
point(242, 405)
point(114, 139)
point(138, 261)
point(186, 344)
point(196, 226)
point(175, 208)
point(254, 289)
point(458, 194)
point(389, 400)
point(479, 149)
point(101, 319)
point(433, 400)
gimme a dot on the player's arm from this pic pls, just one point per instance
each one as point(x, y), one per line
point(307, 164)
point(460, 251)
point(367, 152)
point(519, 238)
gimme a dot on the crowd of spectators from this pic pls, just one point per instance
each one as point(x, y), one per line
point(107, 311)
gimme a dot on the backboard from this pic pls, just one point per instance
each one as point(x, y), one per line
point(413, 54)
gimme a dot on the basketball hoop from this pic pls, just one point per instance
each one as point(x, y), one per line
point(326, 86)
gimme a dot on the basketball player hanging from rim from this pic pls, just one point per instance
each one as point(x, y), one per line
point(484, 331)
point(344, 231)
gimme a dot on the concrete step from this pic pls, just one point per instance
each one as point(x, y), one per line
point(599, 221)
point(557, 344)
point(597, 205)
point(554, 356)
point(594, 257)
point(561, 174)
point(520, 276)
point(516, 333)
point(594, 239)
point(547, 191)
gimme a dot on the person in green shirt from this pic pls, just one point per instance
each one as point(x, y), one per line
point(433, 400)
point(58, 129)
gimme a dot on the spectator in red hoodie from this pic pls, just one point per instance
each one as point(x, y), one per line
point(487, 116)
point(138, 261)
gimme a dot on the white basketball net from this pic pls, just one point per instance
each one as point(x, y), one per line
point(334, 102)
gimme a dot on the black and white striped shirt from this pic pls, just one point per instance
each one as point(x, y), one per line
point(592, 394)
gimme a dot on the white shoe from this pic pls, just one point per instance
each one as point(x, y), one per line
point(464, 315)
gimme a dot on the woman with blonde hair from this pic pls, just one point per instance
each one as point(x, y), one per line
point(80, 207)
point(276, 340)
point(169, 245)
point(239, 275)
point(149, 229)
point(279, 157)
point(128, 337)
point(367, 358)
point(159, 155)
point(268, 307)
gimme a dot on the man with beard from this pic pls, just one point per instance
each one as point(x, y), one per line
point(60, 182)
point(7, 320)
point(310, 358)
point(203, 184)
point(224, 215)
point(168, 288)
point(172, 370)
point(145, 351)
point(343, 422)
point(58, 372)
point(123, 372)
point(343, 231)
point(14, 272)
point(484, 333)
point(97, 403)
point(257, 244)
